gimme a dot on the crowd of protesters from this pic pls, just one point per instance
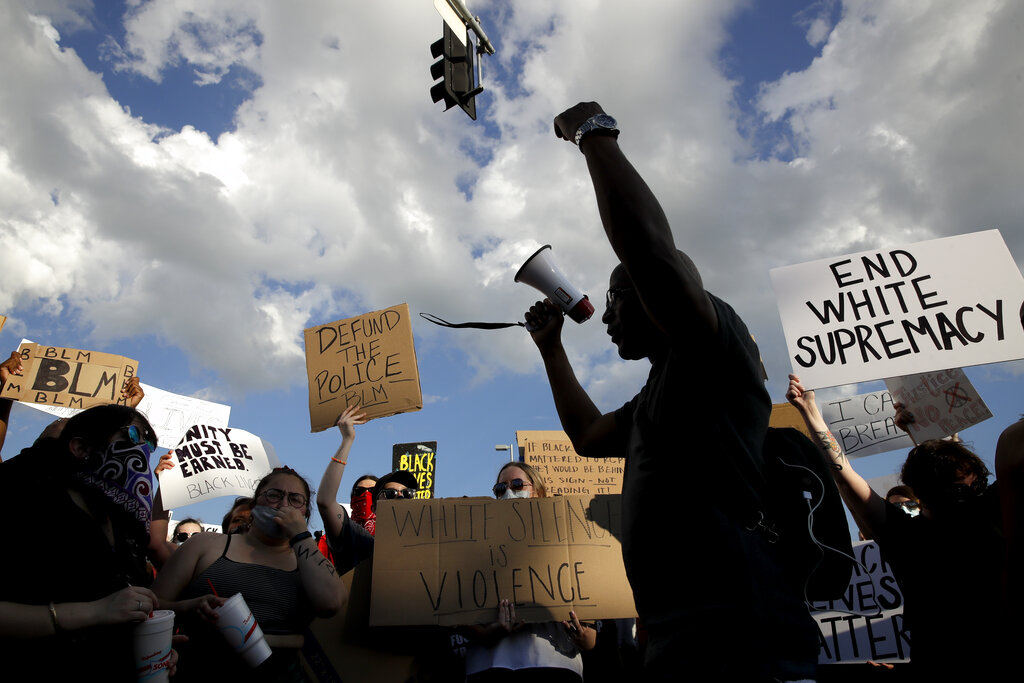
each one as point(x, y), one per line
point(951, 536)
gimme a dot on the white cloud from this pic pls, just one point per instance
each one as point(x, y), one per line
point(338, 189)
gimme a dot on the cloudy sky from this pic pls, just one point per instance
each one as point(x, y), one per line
point(191, 184)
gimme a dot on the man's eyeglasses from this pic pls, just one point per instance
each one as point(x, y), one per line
point(183, 536)
point(614, 294)
point(136, 436)
point(296, 500)
point(394, 494)
point(516, 485)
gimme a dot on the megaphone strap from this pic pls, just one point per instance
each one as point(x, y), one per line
point(477, 325)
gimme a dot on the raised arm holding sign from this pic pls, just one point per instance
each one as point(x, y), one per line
point(954, 544)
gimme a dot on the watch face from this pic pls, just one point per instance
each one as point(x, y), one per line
point(605, 121)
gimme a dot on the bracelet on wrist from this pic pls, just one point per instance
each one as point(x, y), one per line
point(53, 618)
point(299, 538)
point(340, 462)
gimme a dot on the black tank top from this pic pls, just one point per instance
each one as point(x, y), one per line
point(275, 596)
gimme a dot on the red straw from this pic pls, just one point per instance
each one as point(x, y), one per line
point(211, 586)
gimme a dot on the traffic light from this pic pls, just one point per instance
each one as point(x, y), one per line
point(455, 67)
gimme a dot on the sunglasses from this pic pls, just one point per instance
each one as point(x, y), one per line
point(360, 490)
point(183, 536)
point(137, 438)
point(394, 494)
point(516, 485)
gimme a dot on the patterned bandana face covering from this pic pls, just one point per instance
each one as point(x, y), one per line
point(123, 476)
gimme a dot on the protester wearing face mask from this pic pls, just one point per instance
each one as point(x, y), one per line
point(275, 566)
point(948, 560)
point(509, 650)
point(903, 497)
point(93, 487)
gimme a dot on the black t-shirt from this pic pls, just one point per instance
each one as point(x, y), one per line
point(351, 546)
point(693, 440)
point(949, 570)
point(64, 556)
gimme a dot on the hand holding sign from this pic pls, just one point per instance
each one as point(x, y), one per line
point(11, 366)
point(348, 421)
point(132, 392)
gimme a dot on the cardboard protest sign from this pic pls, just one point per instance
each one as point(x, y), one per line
point(71, 378)
point(566, 473)
point(215, 461)
point(3, 321)
point(419, 458)
point(169, 414)
point(867, 622)
point(943, 403)
point(865, 424)
point(786, 415)
point(943, 303)
point(450, 560)
point(368, 360)
point(344, 648)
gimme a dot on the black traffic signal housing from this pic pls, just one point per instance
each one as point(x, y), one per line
point(456, 68)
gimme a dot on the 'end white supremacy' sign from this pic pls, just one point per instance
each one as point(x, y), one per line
point(943, 303)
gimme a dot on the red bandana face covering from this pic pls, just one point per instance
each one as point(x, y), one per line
point(362, 511)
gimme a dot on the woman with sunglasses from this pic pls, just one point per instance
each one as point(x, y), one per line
point(92, 487)
point(275, 566)
point(509, 650)
point(186, 529)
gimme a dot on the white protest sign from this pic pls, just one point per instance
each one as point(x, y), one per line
point(171, 414)
point(214, 461)
point(943, 402)
point(867, 621)
point(950, 302)
point(865, 424)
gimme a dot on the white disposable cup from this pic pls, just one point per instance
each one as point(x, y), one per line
point(153, 646)
point(239, 627)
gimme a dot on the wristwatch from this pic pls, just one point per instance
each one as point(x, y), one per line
point(601, 124)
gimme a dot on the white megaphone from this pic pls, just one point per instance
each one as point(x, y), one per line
point(540, 272)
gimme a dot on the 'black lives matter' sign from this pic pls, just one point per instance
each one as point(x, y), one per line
point(938, 304)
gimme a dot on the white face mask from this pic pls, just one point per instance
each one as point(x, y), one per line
point(510, 494)
point(263, 519)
